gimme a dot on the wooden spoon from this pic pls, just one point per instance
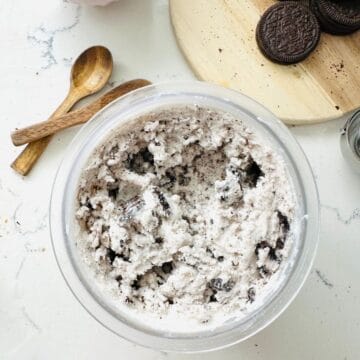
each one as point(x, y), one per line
point(53, 125)
point(89, 74)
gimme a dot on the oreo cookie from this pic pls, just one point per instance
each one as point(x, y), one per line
point(304, 2)
point(337, 17)
point(287, 32)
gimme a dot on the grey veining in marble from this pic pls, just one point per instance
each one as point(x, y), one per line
point(44, 38)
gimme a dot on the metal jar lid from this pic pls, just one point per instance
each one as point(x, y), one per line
point(350, 141)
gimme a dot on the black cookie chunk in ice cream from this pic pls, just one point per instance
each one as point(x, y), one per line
point(218, 284)
point(287, 32)
point(253, 172)
point(283, 221)
point(141, 161)
point(167, 267)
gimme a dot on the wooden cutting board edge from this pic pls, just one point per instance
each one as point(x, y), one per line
point(294, 122)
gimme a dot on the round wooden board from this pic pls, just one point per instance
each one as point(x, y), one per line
point(218, 39)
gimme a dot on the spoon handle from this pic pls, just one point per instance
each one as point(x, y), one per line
point(29, 156)
point(43, 129)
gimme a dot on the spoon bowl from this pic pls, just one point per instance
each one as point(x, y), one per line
point(92, 69)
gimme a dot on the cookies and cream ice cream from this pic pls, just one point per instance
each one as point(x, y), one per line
point(185, 213)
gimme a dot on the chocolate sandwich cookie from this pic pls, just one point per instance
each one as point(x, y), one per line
point(304, 2)
point(337, 17)
point(287, 32)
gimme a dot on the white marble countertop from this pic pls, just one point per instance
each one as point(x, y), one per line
point(39, 317)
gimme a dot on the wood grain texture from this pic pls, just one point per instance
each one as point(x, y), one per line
point(218, 40)
point(32, 152)
point(90, 73)
point(55, 124)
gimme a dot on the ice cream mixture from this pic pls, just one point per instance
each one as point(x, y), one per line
point(185, 213)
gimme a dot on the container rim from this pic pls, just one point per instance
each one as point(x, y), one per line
point(155, 94)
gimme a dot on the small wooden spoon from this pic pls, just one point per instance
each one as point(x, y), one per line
point(89, 74)
point(53, 125)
